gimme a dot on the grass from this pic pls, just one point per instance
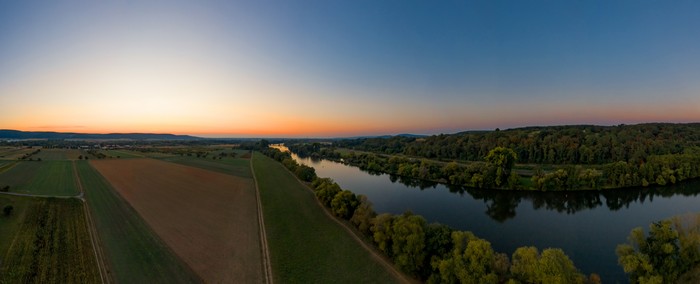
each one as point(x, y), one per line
point(305, 244)
point(13, 154)
point(121, 154)
point(232, 166)
point(51, 245)
point(44, 178)
point(10, 224)
point(57, 154)
point(134, 253)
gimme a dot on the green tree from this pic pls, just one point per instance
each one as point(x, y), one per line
point(344, 203)
point(382, 233)
point(652, 259)
point(363, 215)
point(471, 261)
point(552, 266)
point(408, 242)
point(504, 160)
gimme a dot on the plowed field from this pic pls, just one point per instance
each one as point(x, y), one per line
point(209, 219)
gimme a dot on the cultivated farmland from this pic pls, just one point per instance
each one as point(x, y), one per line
point(58, 154)
point(135, 254)
point(51, 245)
point(305, 244)
point(53, 178)
point(233, 166)
point(209, 219)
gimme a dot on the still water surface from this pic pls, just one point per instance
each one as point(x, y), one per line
point(586, 225)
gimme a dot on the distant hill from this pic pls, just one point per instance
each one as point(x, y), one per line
point(16, 134)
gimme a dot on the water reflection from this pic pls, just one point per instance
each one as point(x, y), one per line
point(501, 204)
point(587, 225)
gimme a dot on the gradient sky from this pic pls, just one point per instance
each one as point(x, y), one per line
point(345, 68)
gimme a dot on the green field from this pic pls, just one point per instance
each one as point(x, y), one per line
point(13, 153)
point(122, 154)
point(231, 166)
point(10, 224)
point(306, 246)
point(55, 178)
point(134, 253)
point(51, 245)
point(58, 154)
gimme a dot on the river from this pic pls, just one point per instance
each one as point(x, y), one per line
point(586, 225)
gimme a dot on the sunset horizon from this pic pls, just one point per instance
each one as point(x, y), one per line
point(260, 69)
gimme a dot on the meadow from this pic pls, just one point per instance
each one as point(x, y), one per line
point(51, 178)
point(305, 244)
point(209, 219)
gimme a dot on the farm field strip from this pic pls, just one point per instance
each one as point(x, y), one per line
point(50, 178)
point(58, 154)
point(209, 219)
point(237, 167)
point(305, 244)
point(132, 251)
point(92, 230)
point(122, 154)
point(51, 245)
point(14, 154)
point(267, 266)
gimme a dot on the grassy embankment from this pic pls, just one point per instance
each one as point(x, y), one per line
point(134, 253)
point(54, 178)
point(50, 243)
point(305, 244)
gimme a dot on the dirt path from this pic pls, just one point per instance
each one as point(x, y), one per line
point(383, 261)
point(267, 268)
point(92, 229)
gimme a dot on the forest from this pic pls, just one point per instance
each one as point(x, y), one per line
point(548, 158)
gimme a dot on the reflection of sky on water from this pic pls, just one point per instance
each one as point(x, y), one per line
point(587, 225)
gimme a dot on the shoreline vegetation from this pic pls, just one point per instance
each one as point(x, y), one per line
point(433, 253)
point(560, 158)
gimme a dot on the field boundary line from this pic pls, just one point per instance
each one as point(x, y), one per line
point(384, 262)
point(267, 267)
point(9, 166)
point(92, 230)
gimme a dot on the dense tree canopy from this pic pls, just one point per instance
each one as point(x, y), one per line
point(671, 249)
point(581, 144)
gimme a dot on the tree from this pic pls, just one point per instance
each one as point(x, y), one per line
point(305, 173)
point(471, 261)
point(408, 242)
point(504, 160)
point(381, 232)
point(652, 259)
point(363, 215)
point(552, 266)
point(344, 203)
point(8, 210)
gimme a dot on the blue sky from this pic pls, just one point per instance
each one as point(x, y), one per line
point(327, 68)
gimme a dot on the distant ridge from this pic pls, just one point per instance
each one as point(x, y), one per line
point(16, 134)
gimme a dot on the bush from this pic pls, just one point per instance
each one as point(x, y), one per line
point(8, 210)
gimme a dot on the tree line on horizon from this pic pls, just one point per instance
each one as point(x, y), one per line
point(577, 144)
point(665, 165)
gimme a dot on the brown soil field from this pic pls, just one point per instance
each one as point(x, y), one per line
point(209, 219)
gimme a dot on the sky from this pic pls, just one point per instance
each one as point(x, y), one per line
point(345, 68)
